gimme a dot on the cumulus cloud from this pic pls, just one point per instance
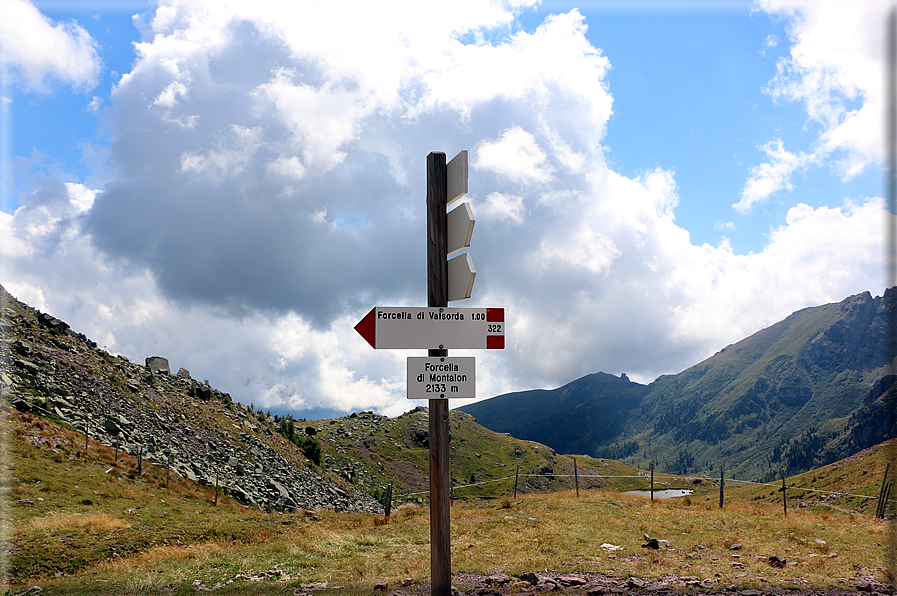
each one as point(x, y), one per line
point(35, 50)
point(515, 155)
point(771, 176)
point(267, 189)
point(835, 70)
point(499, 206)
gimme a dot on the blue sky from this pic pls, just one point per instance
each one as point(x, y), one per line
point(651, 180)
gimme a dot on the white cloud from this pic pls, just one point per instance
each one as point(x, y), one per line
point(36, 49)
point(724, 226)
point(231, 156)
point(731, 296)
point(266, 189)
point(771, 176)
point(835, 70)
point(582, 247)
point(515, 155)
point(499, 206)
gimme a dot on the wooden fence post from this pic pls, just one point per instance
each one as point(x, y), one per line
point(387, 508)
point(784, 493)
point(167, 470)
point(576, 477)
point(881, 493)
point(117, 445)
point(86, 435)
point(140, 460)
point(516, 475)
point(652, 481)
point(216, 489)
point(722, 483)
point(883, 501)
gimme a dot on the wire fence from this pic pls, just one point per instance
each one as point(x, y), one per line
point(839, 494)
point(883, 496)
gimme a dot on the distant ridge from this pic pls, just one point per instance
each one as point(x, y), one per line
point(802, 393)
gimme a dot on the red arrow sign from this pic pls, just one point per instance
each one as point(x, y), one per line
point(411, 328)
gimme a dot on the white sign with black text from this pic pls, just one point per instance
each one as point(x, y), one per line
point(442, 378)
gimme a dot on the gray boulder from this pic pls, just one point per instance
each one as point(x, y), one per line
point(157, 365)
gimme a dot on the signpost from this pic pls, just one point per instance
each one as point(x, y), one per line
point(438, 328)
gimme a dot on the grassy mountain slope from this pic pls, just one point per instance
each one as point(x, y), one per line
point(798, 394)
point(373, 451)
point(576, 418)
point(204, 436)
point(80, 522)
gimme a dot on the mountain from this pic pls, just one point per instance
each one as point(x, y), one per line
point(59, 377)
point(801, 393)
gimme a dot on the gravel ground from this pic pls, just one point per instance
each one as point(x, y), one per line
point(589, 584)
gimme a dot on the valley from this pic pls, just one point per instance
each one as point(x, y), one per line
point(121, 478)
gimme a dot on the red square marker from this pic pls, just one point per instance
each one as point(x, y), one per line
point(495, 342)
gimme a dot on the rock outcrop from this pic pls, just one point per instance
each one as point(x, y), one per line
point(173, 420)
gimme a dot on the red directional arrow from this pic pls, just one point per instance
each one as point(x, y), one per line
point(367, 327)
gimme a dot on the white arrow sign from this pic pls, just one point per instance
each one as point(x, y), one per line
point(456, 177)
point(442, 378)
point(460, 277)
point(460, 228)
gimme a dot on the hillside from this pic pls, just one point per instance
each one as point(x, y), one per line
point(205, 436)
point(83, 522)
point(799, 394)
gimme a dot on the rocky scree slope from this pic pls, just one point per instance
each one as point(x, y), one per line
point(171, 420)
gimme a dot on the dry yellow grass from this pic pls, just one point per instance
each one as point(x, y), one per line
point(555, 531)
point(92, 523)
point(159, 555)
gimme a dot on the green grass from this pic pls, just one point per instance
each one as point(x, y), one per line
point(95, 528)
point(386, 452)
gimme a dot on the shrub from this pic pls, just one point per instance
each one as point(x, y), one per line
point(310, 447)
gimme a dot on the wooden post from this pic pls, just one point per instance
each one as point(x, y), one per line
point(881, 493)
point(722, 484)
point(437, 296)
point(140, 460)
point(387, 507)
point(516, 476)
point(652, 481)
point(576, 477)
point(216, 489)
point(784, 493)
point(86, 435)
point(117, 445)
point(883, 501)
point(167, 470)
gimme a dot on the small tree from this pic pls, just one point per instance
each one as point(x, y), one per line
point(311, 448)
